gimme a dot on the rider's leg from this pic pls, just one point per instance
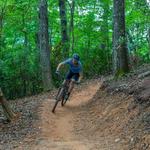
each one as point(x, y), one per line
point(67, 81)
point(72, 82)
point(68, 78)
point(71, 85)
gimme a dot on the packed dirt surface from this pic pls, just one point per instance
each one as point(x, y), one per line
point(73, 127)
point(94, 118)
point(57, 130)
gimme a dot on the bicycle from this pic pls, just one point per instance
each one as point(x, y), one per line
point(62, 95)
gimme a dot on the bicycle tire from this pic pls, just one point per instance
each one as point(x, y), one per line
point(53, 110)
point(63, 101)
point(58, 93)
point(58, 98)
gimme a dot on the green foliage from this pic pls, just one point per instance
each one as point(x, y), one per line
point(19, 55)
point(19, 64)
point(138, 25)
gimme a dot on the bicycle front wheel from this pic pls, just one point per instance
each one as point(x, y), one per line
point(59, 97)
point(53, 110)
point(63, 101)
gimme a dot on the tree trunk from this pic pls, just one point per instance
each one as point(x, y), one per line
point(149, 41)
point(120, 56)
point(71, 26)
point(64, 31)
point(2, 13)
point(105, 33)
point(44, 46)
point(7, 109)
point(25, 56)
point(1, 29)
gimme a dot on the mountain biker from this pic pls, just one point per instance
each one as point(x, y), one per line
point(74, 74)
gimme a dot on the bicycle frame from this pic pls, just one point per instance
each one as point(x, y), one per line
point(61, 94)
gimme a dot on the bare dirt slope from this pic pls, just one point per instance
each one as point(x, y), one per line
point(93, 119)
point(57, 130)
point(61, 131)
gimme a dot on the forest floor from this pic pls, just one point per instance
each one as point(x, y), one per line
point(102, 114)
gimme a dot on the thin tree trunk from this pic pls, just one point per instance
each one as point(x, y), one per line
point(25, 58)
point(44, 46)
point(1, 29)
point(2, 13)
point(120, 57)
point(64, 31)
point(149, 43)
point(71, 26)
point(105, 31)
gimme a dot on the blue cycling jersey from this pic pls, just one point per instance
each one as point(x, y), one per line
point(73, 68)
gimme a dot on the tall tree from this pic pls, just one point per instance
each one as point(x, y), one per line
point(120, 57)
point(71, 25)
point(105, 31)
point(25, 55)
point(44, 45)
point(64, 29)
point(2, 13)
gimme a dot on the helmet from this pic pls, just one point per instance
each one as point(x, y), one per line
point(76, 57)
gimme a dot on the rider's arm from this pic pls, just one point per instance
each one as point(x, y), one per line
point(63, 63)
point(59, 66)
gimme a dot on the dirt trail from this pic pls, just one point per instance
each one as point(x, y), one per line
point(60, 131)
point(57, 130)
point(93, 119)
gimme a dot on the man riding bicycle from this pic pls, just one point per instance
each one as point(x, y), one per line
point(74, 74)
